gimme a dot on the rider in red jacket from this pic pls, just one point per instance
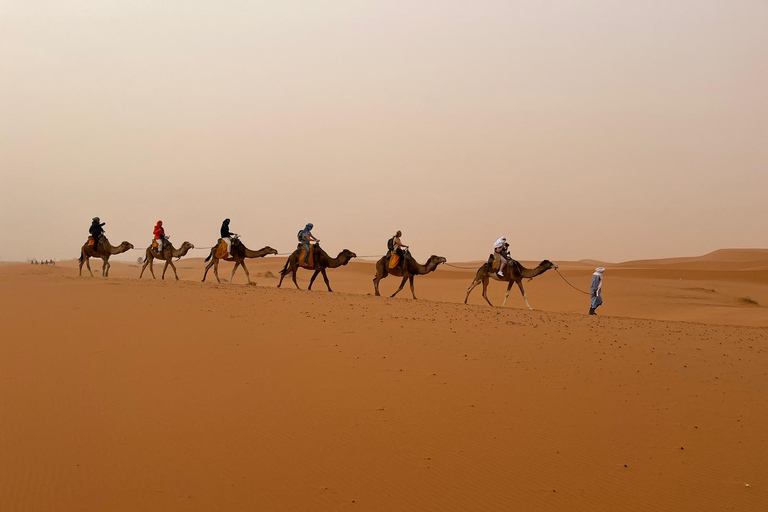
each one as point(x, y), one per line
point(159, 232)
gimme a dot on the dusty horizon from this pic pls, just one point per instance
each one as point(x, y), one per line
point(591, 131)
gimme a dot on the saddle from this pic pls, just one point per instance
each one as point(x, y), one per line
point(90, 240)
point(221, 252)
point(394, 260)
point(303, 255)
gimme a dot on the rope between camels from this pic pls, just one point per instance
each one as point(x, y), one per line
point(456, 266)
point(569, 284)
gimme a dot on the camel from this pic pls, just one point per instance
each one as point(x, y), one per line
point(105, 251)
point(169, 252)
point(321, 261)
point(412, 268)
point(239, 253)
point(514, 273)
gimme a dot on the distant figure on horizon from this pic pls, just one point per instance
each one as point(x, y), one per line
point(596, 290)
point(97, 231)
point(305, 236)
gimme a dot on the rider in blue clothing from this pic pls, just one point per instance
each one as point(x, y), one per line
point(305, 236)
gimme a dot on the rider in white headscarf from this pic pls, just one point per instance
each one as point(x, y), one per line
point(498, 254)
point(596, 290)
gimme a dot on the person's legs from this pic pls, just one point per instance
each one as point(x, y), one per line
point(401, 254)
point(305, 245)
point(502, 266)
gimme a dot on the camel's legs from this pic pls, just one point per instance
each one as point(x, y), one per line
point(402, 283)
point(312, 279)
point(282, 276)
point(85, 260)
point(174, 269)
point(246, 271)
point(232, 277)
point(325, 278)
point(469, 290)
point(105, 268)
point(295, 269)
point(509, 287)
point(522, 290)
point(410, 280)
point(207, 268)
point(146, 262)
point(376, 280)
point(216, 270)
point(152, 267)
point(485, 291)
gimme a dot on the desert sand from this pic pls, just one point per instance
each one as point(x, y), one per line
point(156, 395)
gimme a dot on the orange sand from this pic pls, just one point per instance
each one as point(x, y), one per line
point(119, 394)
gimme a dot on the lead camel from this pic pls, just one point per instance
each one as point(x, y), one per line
point(513, 273)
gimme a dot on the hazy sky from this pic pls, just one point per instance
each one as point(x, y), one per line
point(612, 130)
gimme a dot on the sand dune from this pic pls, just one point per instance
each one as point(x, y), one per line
point(120, 394)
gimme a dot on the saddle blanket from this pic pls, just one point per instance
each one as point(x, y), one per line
point(303, 254)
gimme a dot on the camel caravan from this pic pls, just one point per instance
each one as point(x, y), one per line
point(309, 255)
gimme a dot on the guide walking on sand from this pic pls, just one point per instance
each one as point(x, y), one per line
point(596, 290)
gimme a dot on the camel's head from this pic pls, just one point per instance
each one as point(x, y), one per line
point(269, 250)
point(126, 246)
point(548, 264)
point(187, 245)
point(436, 260)
point(347, 255)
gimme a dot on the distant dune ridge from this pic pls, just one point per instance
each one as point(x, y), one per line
point(127, 394)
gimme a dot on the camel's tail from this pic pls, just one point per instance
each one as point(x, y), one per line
point(81, 257)
point(285, 268)
point(209, 256)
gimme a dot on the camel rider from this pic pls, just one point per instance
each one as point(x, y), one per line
point(305, 236)
point(500, 254)
point(227, 235)
point(97, 231)
point(159, 233)
point(398, 247)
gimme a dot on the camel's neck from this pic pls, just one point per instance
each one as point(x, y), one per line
point(417, 268)
point(529, 273)
point(111, 249)
point(254, 254)
point(178, 253)
point(337, 261)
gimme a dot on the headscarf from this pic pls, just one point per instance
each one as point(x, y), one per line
point(309, 225)
point(96, 219)
point(226, 221)
point(599, 271)
point(500, 242)
point(159, 223)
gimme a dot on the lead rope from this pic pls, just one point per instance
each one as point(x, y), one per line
point(569, 284)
